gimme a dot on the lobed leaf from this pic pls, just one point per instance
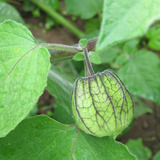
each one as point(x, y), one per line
point(24, 67)
point(124, 20)
point(43, 138)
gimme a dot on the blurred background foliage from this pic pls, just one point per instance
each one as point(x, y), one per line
point(137, 61)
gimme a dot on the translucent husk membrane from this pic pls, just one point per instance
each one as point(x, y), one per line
point(101, 104)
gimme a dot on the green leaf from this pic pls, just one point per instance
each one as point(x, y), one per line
point(49, 23)
point(125, 50)
point(130, 47)
point(92, 25)
point(118, 54)
point(157, 156)
point(141, 75)
point(120, 60)
point(68, 69)
point(123, 20)
point(28, 6)
point(79, 56)
point(24, 67)
point(36, 13)
point(109, 55)
point(60, 114)
point(136, 147)
point(83, 42)
point(9, 12)
point(84, 9)
point(61, 88)
point(94, 57)
point(140, 108)
point(43, 138)
point(154, 38)
point(153, 33)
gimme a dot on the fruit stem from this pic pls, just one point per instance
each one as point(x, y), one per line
point(88, 65)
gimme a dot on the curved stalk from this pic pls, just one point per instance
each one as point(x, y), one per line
point(59, 18)
point(89, 69)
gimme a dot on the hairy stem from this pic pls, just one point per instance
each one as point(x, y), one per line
point(89, 69)
point(59, 18)
point(59, 51)
point(61, 47)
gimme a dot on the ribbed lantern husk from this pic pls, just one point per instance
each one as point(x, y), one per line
point(101, 104)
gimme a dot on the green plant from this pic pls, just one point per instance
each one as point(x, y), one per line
point(26, 69)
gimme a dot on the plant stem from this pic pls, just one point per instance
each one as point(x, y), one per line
point(61, 47)
point(50, 11)
point(88, 67)
point(59, 51)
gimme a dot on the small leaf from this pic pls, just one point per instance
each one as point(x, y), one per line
point(36, 12)
point(43, 138)
point(131, 19)
point(136, 147)
point(9, 12)
point(24, 67)
point(79, 56)
point(94, 57)
point(49, 23)
point(83, 42)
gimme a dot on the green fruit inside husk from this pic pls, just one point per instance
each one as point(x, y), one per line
point(101, 104)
